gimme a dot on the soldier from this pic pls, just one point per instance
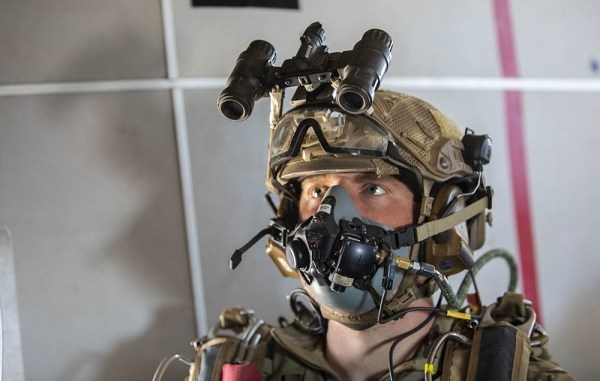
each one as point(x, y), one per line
point(381, 197)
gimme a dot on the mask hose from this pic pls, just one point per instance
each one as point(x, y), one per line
point(484, 259)
point(430, 271)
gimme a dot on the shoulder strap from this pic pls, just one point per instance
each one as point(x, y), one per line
point(509, 345)
point(235, 356)
point(497, 352)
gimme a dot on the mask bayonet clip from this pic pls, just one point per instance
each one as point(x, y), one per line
point(401, 237)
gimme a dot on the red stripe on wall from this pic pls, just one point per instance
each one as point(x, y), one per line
point(518, 159)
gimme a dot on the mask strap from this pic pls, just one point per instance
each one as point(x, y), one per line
point(413, 234)
point(432, 228)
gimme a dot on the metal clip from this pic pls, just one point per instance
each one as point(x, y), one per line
point(526, 326)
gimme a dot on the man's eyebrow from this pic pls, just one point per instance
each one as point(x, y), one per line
point(314, 178)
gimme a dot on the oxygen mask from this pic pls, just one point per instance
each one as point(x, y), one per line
point(342, 257)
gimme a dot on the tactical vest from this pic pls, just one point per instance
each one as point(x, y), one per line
point(507, 345)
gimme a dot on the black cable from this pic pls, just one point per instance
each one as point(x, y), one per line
point(433, 310)
point(402, 337)
point(401, 313)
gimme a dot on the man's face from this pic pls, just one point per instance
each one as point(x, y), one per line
point(385, 199)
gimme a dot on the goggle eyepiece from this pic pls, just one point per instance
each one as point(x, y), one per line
point(248, 81)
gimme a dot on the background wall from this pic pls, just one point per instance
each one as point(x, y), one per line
point(126, 192)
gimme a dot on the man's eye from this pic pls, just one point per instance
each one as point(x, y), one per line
point(318, 192)
point(375, 190)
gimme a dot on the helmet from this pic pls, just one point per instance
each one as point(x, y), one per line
point(427, 142)
point(399, 135)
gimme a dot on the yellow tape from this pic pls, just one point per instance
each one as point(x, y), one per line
point(458, 315)
point(429, 368)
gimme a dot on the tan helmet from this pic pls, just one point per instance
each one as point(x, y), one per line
point(399, 135)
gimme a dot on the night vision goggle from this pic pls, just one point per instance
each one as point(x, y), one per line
point(357, 73)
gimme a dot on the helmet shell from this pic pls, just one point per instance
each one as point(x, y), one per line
point(429, 145)
point(428, 141)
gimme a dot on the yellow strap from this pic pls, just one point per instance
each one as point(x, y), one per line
point(458, 315)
